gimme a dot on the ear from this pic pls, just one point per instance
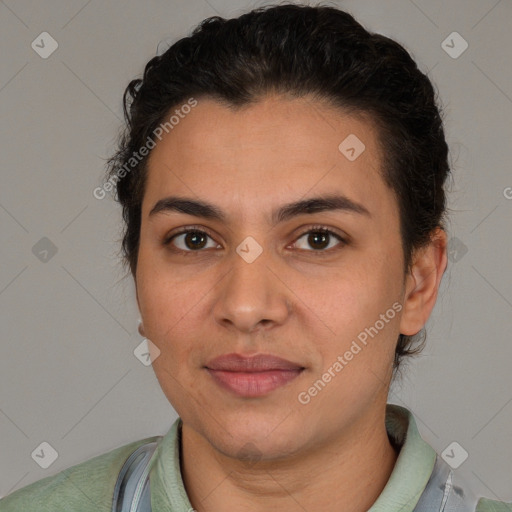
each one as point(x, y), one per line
point(137, 295)
point(140, 327)
point(422, 283)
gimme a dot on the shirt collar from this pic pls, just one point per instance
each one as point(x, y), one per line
point(413, 467)
point(408, 480)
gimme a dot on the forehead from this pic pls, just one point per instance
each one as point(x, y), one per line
point(267, 153)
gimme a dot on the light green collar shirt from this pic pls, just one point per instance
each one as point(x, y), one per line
point(89, 486)
point(408, 479)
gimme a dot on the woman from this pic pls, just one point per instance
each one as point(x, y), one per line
point(281, 177)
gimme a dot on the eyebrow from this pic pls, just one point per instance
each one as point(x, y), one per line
point(199, 208)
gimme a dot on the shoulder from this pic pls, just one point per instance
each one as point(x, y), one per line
point(486, 505)
point(88, 486)
point(445, 489)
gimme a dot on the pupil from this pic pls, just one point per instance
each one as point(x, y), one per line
point(314, 239)
point(194, 237)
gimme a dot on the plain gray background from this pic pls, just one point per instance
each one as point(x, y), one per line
point(68, 374)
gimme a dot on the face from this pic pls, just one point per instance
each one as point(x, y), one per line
point(321, 287)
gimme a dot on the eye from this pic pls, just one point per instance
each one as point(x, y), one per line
point(319, 239)
point(190, 240)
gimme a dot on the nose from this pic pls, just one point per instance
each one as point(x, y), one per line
point(252, 296)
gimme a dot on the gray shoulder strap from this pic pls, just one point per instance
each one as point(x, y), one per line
point(131, 493)
point(442, 495)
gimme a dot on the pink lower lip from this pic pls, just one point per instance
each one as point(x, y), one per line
point(253, 384)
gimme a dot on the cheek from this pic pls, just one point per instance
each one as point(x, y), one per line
point(164, 307)
point(169, 312)
point(347, 299)
point(360, 306)
point(175, 309)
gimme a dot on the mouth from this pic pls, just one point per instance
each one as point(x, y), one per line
point(254, 376)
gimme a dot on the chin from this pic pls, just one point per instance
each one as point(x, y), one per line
point(254, 437)
point(254, 449)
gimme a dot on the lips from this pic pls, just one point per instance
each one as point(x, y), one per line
point(257, 363)
point(252, 376)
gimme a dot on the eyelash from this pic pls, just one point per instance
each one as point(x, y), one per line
point(312, 229)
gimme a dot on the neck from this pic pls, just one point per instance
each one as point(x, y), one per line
point(345, 473)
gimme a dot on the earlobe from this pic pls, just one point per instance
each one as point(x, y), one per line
point(141, 329)
point(422, 283)
point(140, 326)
